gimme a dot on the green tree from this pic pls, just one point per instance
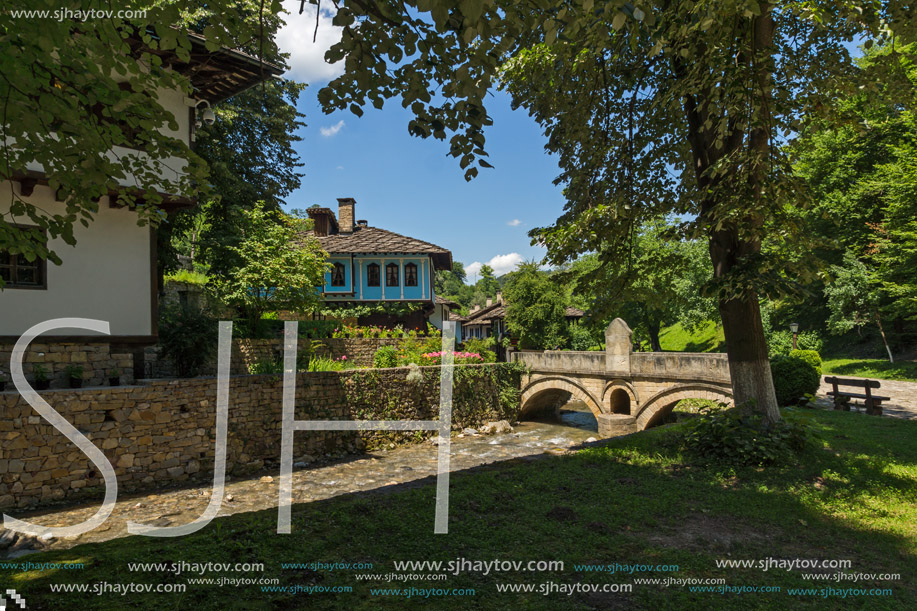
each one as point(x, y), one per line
point(281, 266)
point(853, 298)
point(488, 284)
point(625, 93)
point(660, 283)
point(535, 309)
point(862, 177)
point(64, 109)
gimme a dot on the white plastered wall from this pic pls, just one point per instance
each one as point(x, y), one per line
point(106, 276)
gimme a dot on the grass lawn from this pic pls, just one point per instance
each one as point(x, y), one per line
point(632, 501)
point(871, 368)
point(708, 338)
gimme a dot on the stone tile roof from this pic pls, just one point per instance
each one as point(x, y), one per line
point(443, 301)
point(373, 240)
point(497, 311)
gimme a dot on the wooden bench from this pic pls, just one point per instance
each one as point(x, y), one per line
point(842, 399)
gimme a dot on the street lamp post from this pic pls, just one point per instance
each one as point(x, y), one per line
point(794, 328)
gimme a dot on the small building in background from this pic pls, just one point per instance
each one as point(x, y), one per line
point(371, 265)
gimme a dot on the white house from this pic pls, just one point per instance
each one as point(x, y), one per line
point(110, 274)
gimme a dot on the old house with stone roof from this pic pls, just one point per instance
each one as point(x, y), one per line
point(374, 265)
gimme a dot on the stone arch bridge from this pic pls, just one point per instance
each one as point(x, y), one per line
point(627, 391)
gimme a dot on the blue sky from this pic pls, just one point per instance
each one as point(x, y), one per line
point(410, 185)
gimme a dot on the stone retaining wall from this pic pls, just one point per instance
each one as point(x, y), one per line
point(97, 360)
point(162, 433)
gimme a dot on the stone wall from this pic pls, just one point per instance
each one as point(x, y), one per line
point(247, 352)
point(97, 360)
point(161, 433)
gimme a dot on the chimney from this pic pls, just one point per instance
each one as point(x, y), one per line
point(500, 297)
point(346, 216)
point(489, 302)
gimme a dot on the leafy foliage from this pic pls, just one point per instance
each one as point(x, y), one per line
point(64, 109)
point(729, 437)
point(535, 309)
point(386, 356)
point(794, 378)
point(281, 264)
point(812, 357)
point(187, 337)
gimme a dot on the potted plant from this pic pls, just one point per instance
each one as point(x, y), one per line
point(3, 380)
point(75, 376)
point(114, 377)
point(41, 380)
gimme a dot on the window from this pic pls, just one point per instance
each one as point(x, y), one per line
point(391, 274)
point(20, 273)
point(338, 275)
point(372, 274)
point(410, 274)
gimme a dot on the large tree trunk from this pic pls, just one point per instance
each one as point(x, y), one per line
point(652, 328)
point(746, 346)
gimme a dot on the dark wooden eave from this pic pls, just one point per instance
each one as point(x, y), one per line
point(170, 203)
point(215, 75)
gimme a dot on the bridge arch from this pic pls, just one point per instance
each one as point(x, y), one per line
point(660, 404)
point(620, 397)
point(551, 391)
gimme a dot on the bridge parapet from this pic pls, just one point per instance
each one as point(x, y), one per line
point(683, 366)
point(565, 361)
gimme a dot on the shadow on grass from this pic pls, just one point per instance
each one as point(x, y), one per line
point(874, 368)
point(631, 500)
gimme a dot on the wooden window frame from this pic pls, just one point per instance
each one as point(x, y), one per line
point(40, 264)
point(339, 268)
point(397, 275)
point(410, 274)
point(369, 275)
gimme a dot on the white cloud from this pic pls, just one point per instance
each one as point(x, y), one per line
point(340, 167)
point(514, 223)
point(501, 264)
point(307, 58)
point(332, 130)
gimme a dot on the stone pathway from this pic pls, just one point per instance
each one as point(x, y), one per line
point(351, 474)
point(903, 395)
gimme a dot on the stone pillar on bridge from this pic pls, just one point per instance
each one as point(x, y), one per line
point(618, 347)
point(618, 350)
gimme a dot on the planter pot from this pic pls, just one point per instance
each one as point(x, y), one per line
point(2, 385)
point(114, 381)
point(41, 384)
point(74, 383)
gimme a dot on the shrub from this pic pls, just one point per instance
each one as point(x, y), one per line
point(324, 363)
point(482, 347)
point(734, 439)
point(794, 378)
point(810, 356)
point(582, 337)
point(780, 343)
point(187, 337)
point(386, 356)
point(266, 366)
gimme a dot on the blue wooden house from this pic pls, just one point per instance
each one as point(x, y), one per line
point(370, 264)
